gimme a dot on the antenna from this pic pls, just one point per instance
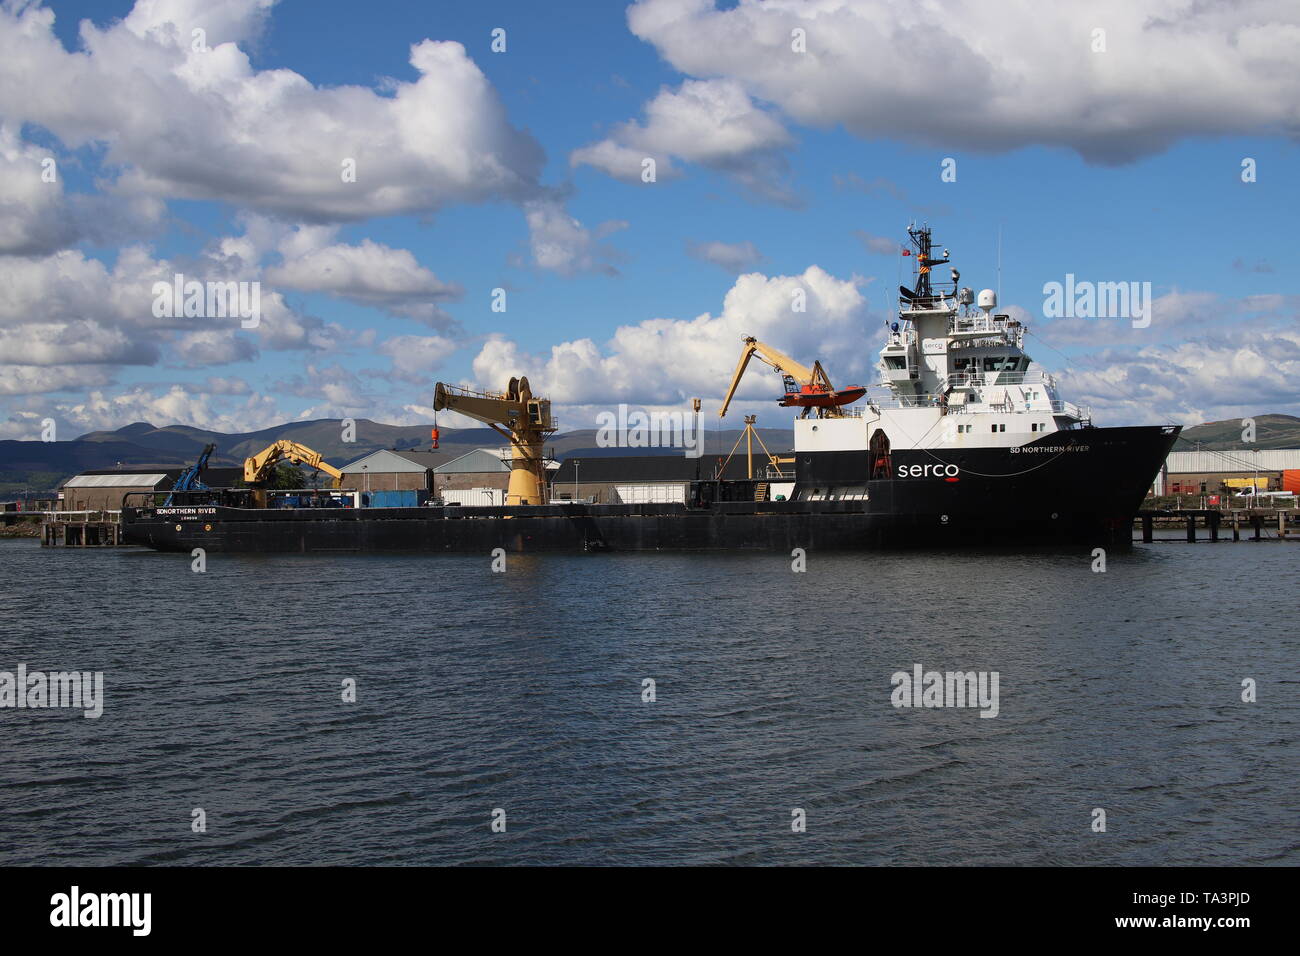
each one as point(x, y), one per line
point(999, 262)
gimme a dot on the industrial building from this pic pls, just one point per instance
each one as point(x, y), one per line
point(1219, 472)
point(103, 490)
point(478, 477)
point(391, 470)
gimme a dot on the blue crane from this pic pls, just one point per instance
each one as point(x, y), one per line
point(190, 479)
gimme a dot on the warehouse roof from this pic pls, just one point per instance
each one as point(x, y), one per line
point(482, 460)
point(1232, 460)
point(477, 461)
point(426, 459)
point(387, 461)
point(149, 478)
point(116, 479)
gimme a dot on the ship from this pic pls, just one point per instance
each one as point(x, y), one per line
point(964, 442)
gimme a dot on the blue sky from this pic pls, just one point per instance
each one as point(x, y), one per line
point(1113, 165)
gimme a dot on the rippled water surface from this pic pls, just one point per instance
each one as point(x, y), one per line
point(522, 691)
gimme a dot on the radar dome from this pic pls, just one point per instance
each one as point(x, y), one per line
point(988, 300)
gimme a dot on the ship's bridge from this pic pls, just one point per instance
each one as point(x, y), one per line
point(973, 327)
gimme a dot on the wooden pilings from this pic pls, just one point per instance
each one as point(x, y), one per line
point(1213, 521)
point(81, 534)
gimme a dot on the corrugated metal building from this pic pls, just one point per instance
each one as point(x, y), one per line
point(387, 470)
point(478, 474)
point(482, 469)
point(479, 477)
point(1204, 472)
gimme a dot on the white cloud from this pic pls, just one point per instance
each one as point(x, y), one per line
point(37, 380)
point(1203, 358)
point(90, 313)
point(734, 257)
point(174, 405)
point(370, 274)
point(33, 215)
point(207, 125)
point(222, 385)
point(666, 361)
point(210, 347)
point(562, 244)
point(1193, 382)
point(880, 245)
point(221, 21)
point(710, 122)
point(414, 357)
point(72, 343)
point(999, 74)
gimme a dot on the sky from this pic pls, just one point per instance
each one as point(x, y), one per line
point(432, 191)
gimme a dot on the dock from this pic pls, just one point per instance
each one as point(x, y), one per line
point(82, 529)
point(1257, 522)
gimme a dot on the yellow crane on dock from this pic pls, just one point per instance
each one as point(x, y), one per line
point(524, 420)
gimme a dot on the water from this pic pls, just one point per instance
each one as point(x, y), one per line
point(522, 691)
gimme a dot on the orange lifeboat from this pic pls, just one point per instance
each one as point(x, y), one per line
point(811, 396)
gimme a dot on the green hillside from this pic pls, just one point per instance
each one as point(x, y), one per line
point(1271, 431)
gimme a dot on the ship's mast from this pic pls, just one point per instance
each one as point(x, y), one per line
point(924, 262)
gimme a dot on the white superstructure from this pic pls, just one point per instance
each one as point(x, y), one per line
point(954, 375)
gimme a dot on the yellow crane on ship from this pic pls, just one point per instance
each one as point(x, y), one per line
point(805, 388)
point(258, 468)
point(516, 414)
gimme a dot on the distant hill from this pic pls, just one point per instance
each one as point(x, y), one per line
point(42, 466)
point(325, 435)
point(1271, 431)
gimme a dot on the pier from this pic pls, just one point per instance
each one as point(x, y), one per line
point(1257, 523)
point(82, 529)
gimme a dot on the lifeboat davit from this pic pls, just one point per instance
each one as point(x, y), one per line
point(812, 397)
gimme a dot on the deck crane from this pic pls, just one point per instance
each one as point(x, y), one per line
point(257, 468)
point(525, 421)
point(191, 478)
point(805, 388)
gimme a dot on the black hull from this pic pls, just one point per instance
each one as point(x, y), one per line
point(1070, 488)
